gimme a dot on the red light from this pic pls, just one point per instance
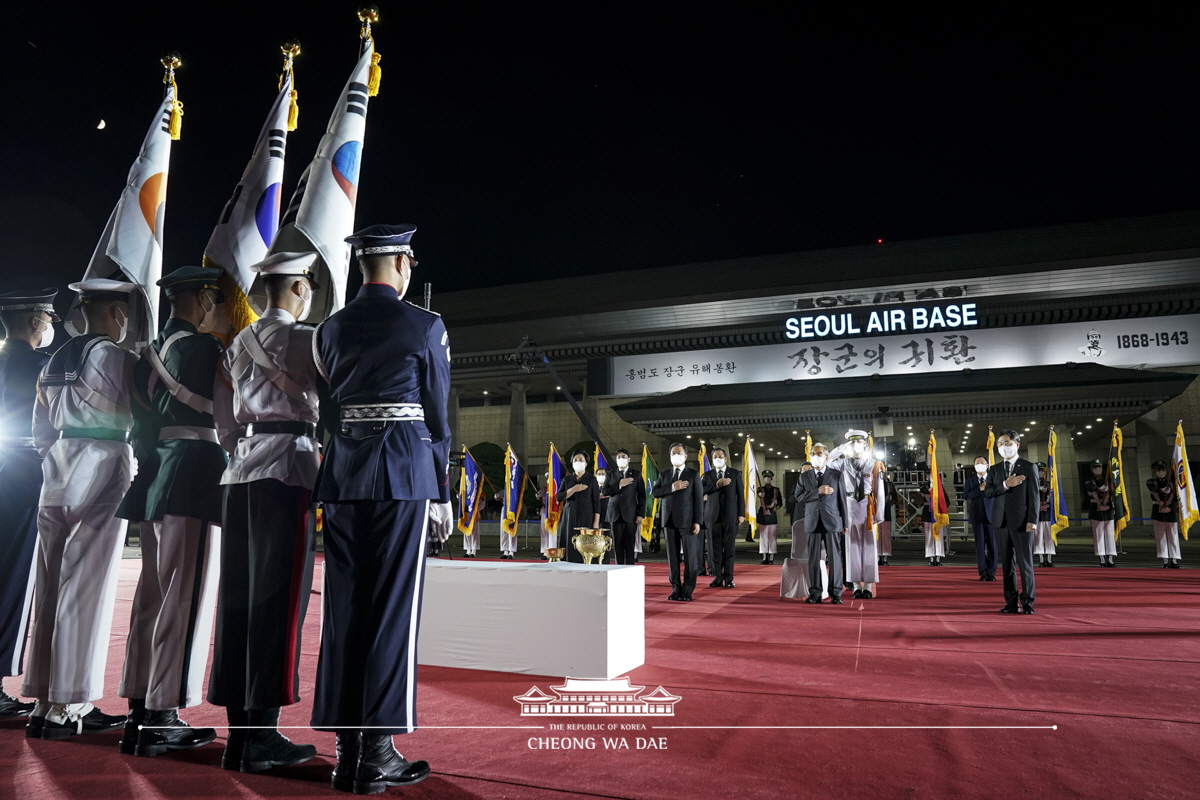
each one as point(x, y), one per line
point(879, 241)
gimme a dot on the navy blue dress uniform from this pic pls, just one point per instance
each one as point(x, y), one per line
point(979, 516)
point(20, 473)
point(384, 366)
point(176, 496)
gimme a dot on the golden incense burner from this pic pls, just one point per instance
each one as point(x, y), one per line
point(591, 543)
point(555, 553)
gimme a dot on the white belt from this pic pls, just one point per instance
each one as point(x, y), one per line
point(383, 412)
point(187, 432)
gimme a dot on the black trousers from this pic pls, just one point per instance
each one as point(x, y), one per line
point(833, 560)
point(267, 545)
point(692, 547)
point(710, 560)
point(724, 542)
point(374, 574)
point(985, 548)
point(623, 540)
point(21, 479)
point(1016, 551)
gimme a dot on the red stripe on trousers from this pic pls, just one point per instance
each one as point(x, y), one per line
point(299, 553)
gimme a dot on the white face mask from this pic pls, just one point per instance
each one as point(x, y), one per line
point(580, 466)
point(124, 329)
point(817, 461)
point(622, 462)
point(47, 335)
point(209, 312)
point(858, 448)
point(1008, 451)
point(308, 301)
point(601, 477)
point(981, 468)
point(719, 463)
point(677, 459)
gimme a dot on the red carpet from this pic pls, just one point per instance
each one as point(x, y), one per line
point(1110, 658)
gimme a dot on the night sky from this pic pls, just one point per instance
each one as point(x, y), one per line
point(528, 145)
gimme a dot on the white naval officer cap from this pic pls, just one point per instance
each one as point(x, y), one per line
point(97, 290)
point(298, 264)
point(854, 433)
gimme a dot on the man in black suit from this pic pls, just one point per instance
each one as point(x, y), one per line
point(979, 515)
point(1016, 501)
point(626, 493)
point(679, 488)
point(824, 504)
point(724, 511)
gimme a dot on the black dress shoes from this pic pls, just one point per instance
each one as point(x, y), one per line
point(12, 708)
point(866, 594)
point(265, 747)
point(674, 596)
point(164, 730)
point(811, 599)
point(1174, 565)
point(836, 599)
point(1027, 608)
point(33, 728)
point(381, 766)
point(1010, 609)
point(715, 584)
point(858, 594)
point(347, 749)
point(989, 577)
point(95, 721)
point(687, 598)
point(729, 584)
point(133, 723)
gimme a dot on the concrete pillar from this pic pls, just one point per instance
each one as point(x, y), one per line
point(456, 443)
point(516, 419)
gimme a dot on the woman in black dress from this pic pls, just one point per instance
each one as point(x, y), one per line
point(580, 497)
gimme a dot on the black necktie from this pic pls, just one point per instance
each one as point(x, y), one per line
point(676, 474)
point(1008, 469)
point(721, 475)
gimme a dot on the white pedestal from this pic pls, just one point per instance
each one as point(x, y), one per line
point(569, 620)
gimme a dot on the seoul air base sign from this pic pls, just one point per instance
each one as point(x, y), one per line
point(911, 344)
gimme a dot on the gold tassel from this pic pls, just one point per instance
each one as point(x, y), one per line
point(373, 75)
point(170, 64)
point(238, 312)
point(293, 112)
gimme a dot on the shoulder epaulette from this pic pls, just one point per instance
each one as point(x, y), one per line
point(421, 308)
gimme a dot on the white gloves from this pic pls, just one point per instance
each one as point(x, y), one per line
point(441, 520)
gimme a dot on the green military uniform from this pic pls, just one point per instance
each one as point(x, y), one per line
point(177, 498)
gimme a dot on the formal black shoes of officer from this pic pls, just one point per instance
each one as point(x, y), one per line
point(256, 745)
point(62, 722)
point(368, 764)
point(1011, 608)
point(12, 708)
point(151, 733)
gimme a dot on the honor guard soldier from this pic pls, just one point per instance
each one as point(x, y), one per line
point(81, 423)
point(176, 498)
point(386, 369)
point(28, 319)
point(1043, 539)
point(265, 408)
point(864, 508)
point(1098, 503)
point(979, 517)
point(1165, 515)
point(769, 501)
point(890, 500)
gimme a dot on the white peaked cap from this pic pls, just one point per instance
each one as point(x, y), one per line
point(856, 434)
point(103, 285)
point(299, 264)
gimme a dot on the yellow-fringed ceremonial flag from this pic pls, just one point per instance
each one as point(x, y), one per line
point(514, 492)
point(250, 218)
point(650, 476)
point(1058, 501)
point(1189, 511)
point(750, 487)
point(937, 492)
point(807, 446)
point(1116, 467)
point(702, 458)
point(470, 492)
point(991, 447)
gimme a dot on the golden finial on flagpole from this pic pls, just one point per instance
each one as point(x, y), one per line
point(368, 15)
point(171, 62)
point(290, 51)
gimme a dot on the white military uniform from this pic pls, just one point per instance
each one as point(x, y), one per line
point(79, 536)
point(862, 555)
point(935, 546)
